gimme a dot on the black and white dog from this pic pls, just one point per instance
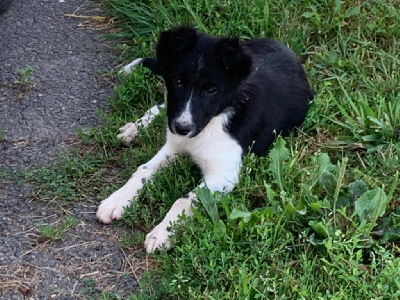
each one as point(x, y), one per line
point(224, 98)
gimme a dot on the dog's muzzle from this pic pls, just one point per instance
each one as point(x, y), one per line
point(183, 128)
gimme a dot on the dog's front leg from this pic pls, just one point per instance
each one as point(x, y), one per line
point(217, 181)
point(158, 238)
point(113, 207)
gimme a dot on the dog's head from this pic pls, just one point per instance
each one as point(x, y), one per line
point(202, 74)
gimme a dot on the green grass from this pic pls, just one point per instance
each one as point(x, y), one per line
point(70, 176)
point(24, 75)
point(316, 218)
point(24, 80)
point(56, 231)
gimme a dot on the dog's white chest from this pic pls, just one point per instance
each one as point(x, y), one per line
point(212, 149)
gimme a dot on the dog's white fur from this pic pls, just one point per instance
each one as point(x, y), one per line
point(218, 155)
point(129, 67)
point(186, 117)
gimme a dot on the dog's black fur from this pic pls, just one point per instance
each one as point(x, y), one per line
point(260, 82)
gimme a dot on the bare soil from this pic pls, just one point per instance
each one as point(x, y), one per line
point(37, 119)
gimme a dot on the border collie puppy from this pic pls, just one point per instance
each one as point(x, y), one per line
point(224, 98)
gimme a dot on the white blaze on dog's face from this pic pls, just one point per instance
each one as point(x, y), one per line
point(201, 75)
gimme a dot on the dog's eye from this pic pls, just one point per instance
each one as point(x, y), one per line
point(212, 90)
point(177, 81)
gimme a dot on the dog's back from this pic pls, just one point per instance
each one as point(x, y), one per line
point(273, 99)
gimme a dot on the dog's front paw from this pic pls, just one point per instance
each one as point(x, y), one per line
point(158, 238)
point(111, 209)
point(128, 133)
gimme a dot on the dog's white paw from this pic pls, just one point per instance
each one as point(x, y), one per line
point(111, 209)
point(158, 238)
point(128, 133)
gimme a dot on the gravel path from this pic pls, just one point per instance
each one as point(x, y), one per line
point(36, 119)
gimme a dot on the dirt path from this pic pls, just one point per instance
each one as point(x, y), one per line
point(37, 118)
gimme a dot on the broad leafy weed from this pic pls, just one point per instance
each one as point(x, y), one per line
point(24, 79)
point(318, 217)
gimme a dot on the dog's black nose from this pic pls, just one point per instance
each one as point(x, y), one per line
point(182, 128)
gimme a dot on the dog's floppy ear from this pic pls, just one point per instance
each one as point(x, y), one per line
point(232, 57)
point(173, 41)
point(153, 65)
